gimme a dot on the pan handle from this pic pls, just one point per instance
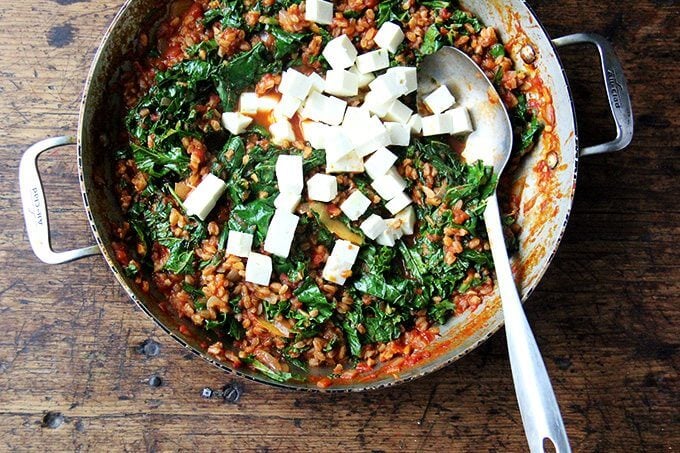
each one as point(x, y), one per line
point(617, 91)
point(35, 209)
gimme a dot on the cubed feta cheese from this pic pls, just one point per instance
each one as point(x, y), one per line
point(380, 162)
point(400, 134)
point(355, 205)
point(389, 185)
point(235, 122)
point(258, 269)
point(327, 109)
point(287, 201)
point(408, 219)
point(377, 104)
point(315, 133)
point(459, 119)
point(373, 61)
point(373, 226)
point(341, 83)
point(340, 52)
point(371, 137)
point(289, 173)
point(339, 264)
point(248, 103)
point(355, 119)
point(267, 103)
point(350, 163)
point(389, 36)
point(321, 187)
point(319, 11)
point(386, 87)
point(393, 233)
point(415, 123)
point(338, 144)
point(398, 203)
point(203, 198)
point(407, 76)
point(282, 132)
point(440, 99)
point(364, 79)
point(295, 84)
point(286, 107)
point(239, 244)
point(280, 233)
point(436, 124)
point(398, 112)
point(318, 83)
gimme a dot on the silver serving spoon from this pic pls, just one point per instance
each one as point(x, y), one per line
point(491, 142)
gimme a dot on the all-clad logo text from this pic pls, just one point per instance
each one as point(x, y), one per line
point(37, 206)
point(614, 88)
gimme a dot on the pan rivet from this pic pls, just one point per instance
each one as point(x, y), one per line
point(528, 54)
point(155, 381)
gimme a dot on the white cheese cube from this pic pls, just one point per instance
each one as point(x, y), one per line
point(408, 219)
point(203, 198)
point(389, 185)
point(387, 87)
point(407, 76)
point(280, 233)
point(287, 107)
point(258, 269)
point(327, 109)
point(350, 163)
point(340, 262)
point(400, 134)
point(295, 84)
point(389, 36)
point(436, 124)
point(370, 137)
point(364, 79)
point(393, 233)
point(415, 123)
point(340, 52)
point(315, 133)
point(377, 104)
point(321, 187)
point(380, 162)
point(355, 205)
point(267, 103)
point(318, 83)
point(373, 61)
point(282, 132)
point(338, 144)
point(248, 103)
point(239, 244)
point(373, 226)
point(287, 201)
point(289, 173)
point(398, 112)
point(398, 203)
point(440, 99)
point(236, 122)
point(319, 11)
point(355, 119)
point(459, 119)
point(341, 83)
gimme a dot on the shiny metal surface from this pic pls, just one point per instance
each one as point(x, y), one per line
point(542, 231)
point(616, 88)
point(35, 208)
point(491, 142)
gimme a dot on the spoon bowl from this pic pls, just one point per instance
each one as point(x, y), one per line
point(491, 142)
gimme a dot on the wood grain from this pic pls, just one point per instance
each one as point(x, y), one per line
point(73, 375)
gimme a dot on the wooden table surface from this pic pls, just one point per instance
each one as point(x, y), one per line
point(81, 368)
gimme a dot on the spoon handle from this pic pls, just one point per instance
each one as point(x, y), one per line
point(537, 404)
